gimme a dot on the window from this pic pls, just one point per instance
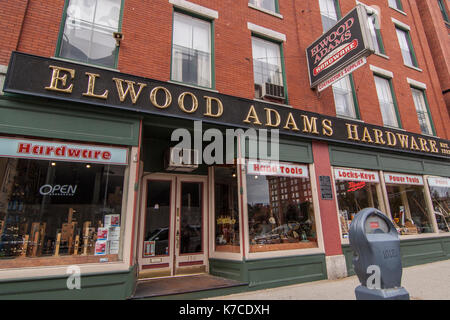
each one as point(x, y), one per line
point(443, 10)
point(374, 27)
point(285, 223)
point(396, 4)
point(267, 67)
point(343, 98)
point(88, 32)
point(407, 203)
point(386, 100)
point(59, 209)
point(329, 13)
point(191, 50)
point(440, 196)
point(355, 190)
point(226, 209)
point(270, 5)
point(406, 47)
point(422, 111)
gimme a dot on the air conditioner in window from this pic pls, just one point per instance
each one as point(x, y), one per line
point(180, 159)
point(270, 90)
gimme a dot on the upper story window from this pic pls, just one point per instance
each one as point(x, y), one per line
point(423, 114)
point(270, 5)
point(88, 32)
point(329, 13)
point(191, 50)
point(396, 4)
point(267, 68)
point(443, 11)
point(343, 98)
point(406, 47)
point(386, 100)
point(374, 27)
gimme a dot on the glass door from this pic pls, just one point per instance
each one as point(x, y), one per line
point(173, 227)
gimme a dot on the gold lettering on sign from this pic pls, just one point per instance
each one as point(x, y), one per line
point(403, 140)
point(269, 113)
point(291, 122)
point(391, 139)
point(209, 112)
point(433, 146)
point(379, 136)
point(414, 145)
point(327, 129)
point(352, 130)
point(310, 126)
point(153, 100)
point(130, 89)
point(91, 87)
point(423, 145)
point(56, 78)
point(252, 115)
point(194, 102)
point(366, 136)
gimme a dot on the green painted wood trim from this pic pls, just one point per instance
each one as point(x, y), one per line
point(355, 97)
point(69, 122)
point(112, 285)
point(433, 130)
point(365, 159)
point(290, 151)
point(394, 99)
point(272, 272)
point(413, 252)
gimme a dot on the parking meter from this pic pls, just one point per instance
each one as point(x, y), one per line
point(376, 260)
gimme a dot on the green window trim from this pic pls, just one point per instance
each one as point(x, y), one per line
point(213, 72)
point(443, 11)
point(378, 34)
point(410, 45)
point(276, 4)
point(433, 129)
point(283, 69)
point(394, 98)
point(399, 5)
point(61, 32)
point(355, 97)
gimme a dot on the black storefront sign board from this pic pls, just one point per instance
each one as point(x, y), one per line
point(56, 79)
point(347, 41)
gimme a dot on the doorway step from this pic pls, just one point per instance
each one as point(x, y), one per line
point(187, 287)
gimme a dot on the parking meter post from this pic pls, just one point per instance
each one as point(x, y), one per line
point(376, 259)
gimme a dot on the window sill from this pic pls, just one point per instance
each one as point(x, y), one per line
point(395, 128)
point(193, 86)
point(274, 103)
point(265, 11)
point(398, 10)
point(85, 64)
point(413, 67)
point(382, 55)
point(349, 118)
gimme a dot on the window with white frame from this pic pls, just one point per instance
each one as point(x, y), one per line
point(374, 28)
point(422, 111)
point(267, 66)
point(343, 98)
point(265, 4)
point(88, 32)
point(406, 47)
point(386, 101)
point(191, 50)
point(328, 13)
point(396, 4)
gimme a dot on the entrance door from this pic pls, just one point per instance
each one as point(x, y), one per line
point(173, 225)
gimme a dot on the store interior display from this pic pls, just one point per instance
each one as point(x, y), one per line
point(440, 196)
point(56, 208)
point(226, 209)
point(280, 213)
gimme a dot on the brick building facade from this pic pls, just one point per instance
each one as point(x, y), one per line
point(217, 52)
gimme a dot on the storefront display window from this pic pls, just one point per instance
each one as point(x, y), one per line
point(68, 210)
point(440, 196)
point(280, 207)
point(407, 202)
point(226, 209)
point(355, 190)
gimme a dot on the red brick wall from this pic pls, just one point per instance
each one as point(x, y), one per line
point(146, 50)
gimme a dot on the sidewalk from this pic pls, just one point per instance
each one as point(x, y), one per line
point(423, 282)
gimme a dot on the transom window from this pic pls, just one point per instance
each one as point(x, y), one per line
point(191, 50)
point(88, 31)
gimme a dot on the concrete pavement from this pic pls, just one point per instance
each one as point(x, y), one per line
point(423, 282)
